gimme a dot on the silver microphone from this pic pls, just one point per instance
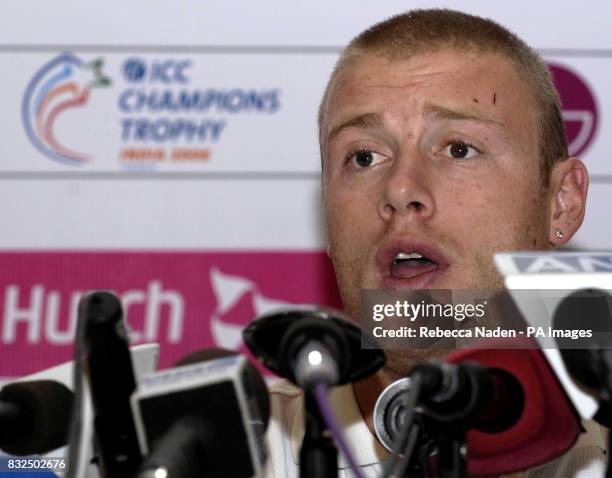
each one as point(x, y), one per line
point(390, 412)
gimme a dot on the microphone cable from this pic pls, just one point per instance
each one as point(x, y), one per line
point(321, 394)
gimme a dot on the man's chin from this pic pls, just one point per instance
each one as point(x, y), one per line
point(401, 361)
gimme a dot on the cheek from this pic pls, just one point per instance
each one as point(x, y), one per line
point(469, 205)
point(346, 209)
point(345, 231)
point(353, 230)
point(337, 211)
point(502, 213)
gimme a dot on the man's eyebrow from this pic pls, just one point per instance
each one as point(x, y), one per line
point(441, 112)
point(367, 120)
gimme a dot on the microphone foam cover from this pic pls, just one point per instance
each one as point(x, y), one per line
point(548, 426)
point(47, 406)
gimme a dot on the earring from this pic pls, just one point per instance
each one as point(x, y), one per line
point(559, 234)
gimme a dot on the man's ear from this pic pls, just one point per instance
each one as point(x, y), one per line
point(569, 183)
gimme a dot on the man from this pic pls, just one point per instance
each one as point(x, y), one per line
point(442, 143)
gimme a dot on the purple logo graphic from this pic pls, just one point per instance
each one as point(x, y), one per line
point(580, 113)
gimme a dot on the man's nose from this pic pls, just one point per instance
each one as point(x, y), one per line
point(407, 191)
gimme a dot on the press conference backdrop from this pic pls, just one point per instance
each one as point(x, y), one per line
point(168, 151)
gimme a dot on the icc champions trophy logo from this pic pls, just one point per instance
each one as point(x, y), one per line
point(64, 83)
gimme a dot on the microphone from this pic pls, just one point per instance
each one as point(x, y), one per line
point(34, 417)
point(486, 399)
point(588, 358)
point(112, 382)
point(315, 348)
point(538, 282)
point(310, 345)
point(253, 378)
point(520, 418)
point(203, 418)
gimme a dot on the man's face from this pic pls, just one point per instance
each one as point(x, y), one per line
point(430, 167)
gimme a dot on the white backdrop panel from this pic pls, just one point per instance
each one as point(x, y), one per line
point(45, 206)
point(195, 214)
point(544, 24)
point(156, 214)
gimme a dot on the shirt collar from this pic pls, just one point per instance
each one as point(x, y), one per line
point(365, 447)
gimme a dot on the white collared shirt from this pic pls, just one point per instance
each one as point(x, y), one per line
point(286, 430)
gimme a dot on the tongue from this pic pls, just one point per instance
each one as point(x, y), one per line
point(413, 267)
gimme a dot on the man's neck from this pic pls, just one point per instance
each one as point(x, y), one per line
point(366, 393)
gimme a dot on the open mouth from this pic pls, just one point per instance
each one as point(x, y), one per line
point(406, 265)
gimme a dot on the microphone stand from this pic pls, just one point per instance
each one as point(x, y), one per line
point(318, 455)
point(451, 455)
point(446, 420)
point(449, 441)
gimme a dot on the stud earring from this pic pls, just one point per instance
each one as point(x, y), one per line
point(559, 234)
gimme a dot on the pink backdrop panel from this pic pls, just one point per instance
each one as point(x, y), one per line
point(184, 301)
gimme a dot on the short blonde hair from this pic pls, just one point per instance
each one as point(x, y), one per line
point(424, 31)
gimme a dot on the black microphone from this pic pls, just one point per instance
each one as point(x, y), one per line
point(205, 417)
point(258, 394)
point(311, 345)
point(112, 382)
point(510, 400)
point(180, 452)
point(588, 356)
point(315, 348)
point(454, 397)
point(34, 416)
point(486, 399)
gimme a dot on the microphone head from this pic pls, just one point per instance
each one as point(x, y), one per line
point(390, 411)
point(46, 408)
point(259, 388)
point(586, 309)
point(212, 409)
point(548, 426)
point(100, 308)
point(275, 339)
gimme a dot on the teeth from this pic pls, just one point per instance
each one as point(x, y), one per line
point(404, 256)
